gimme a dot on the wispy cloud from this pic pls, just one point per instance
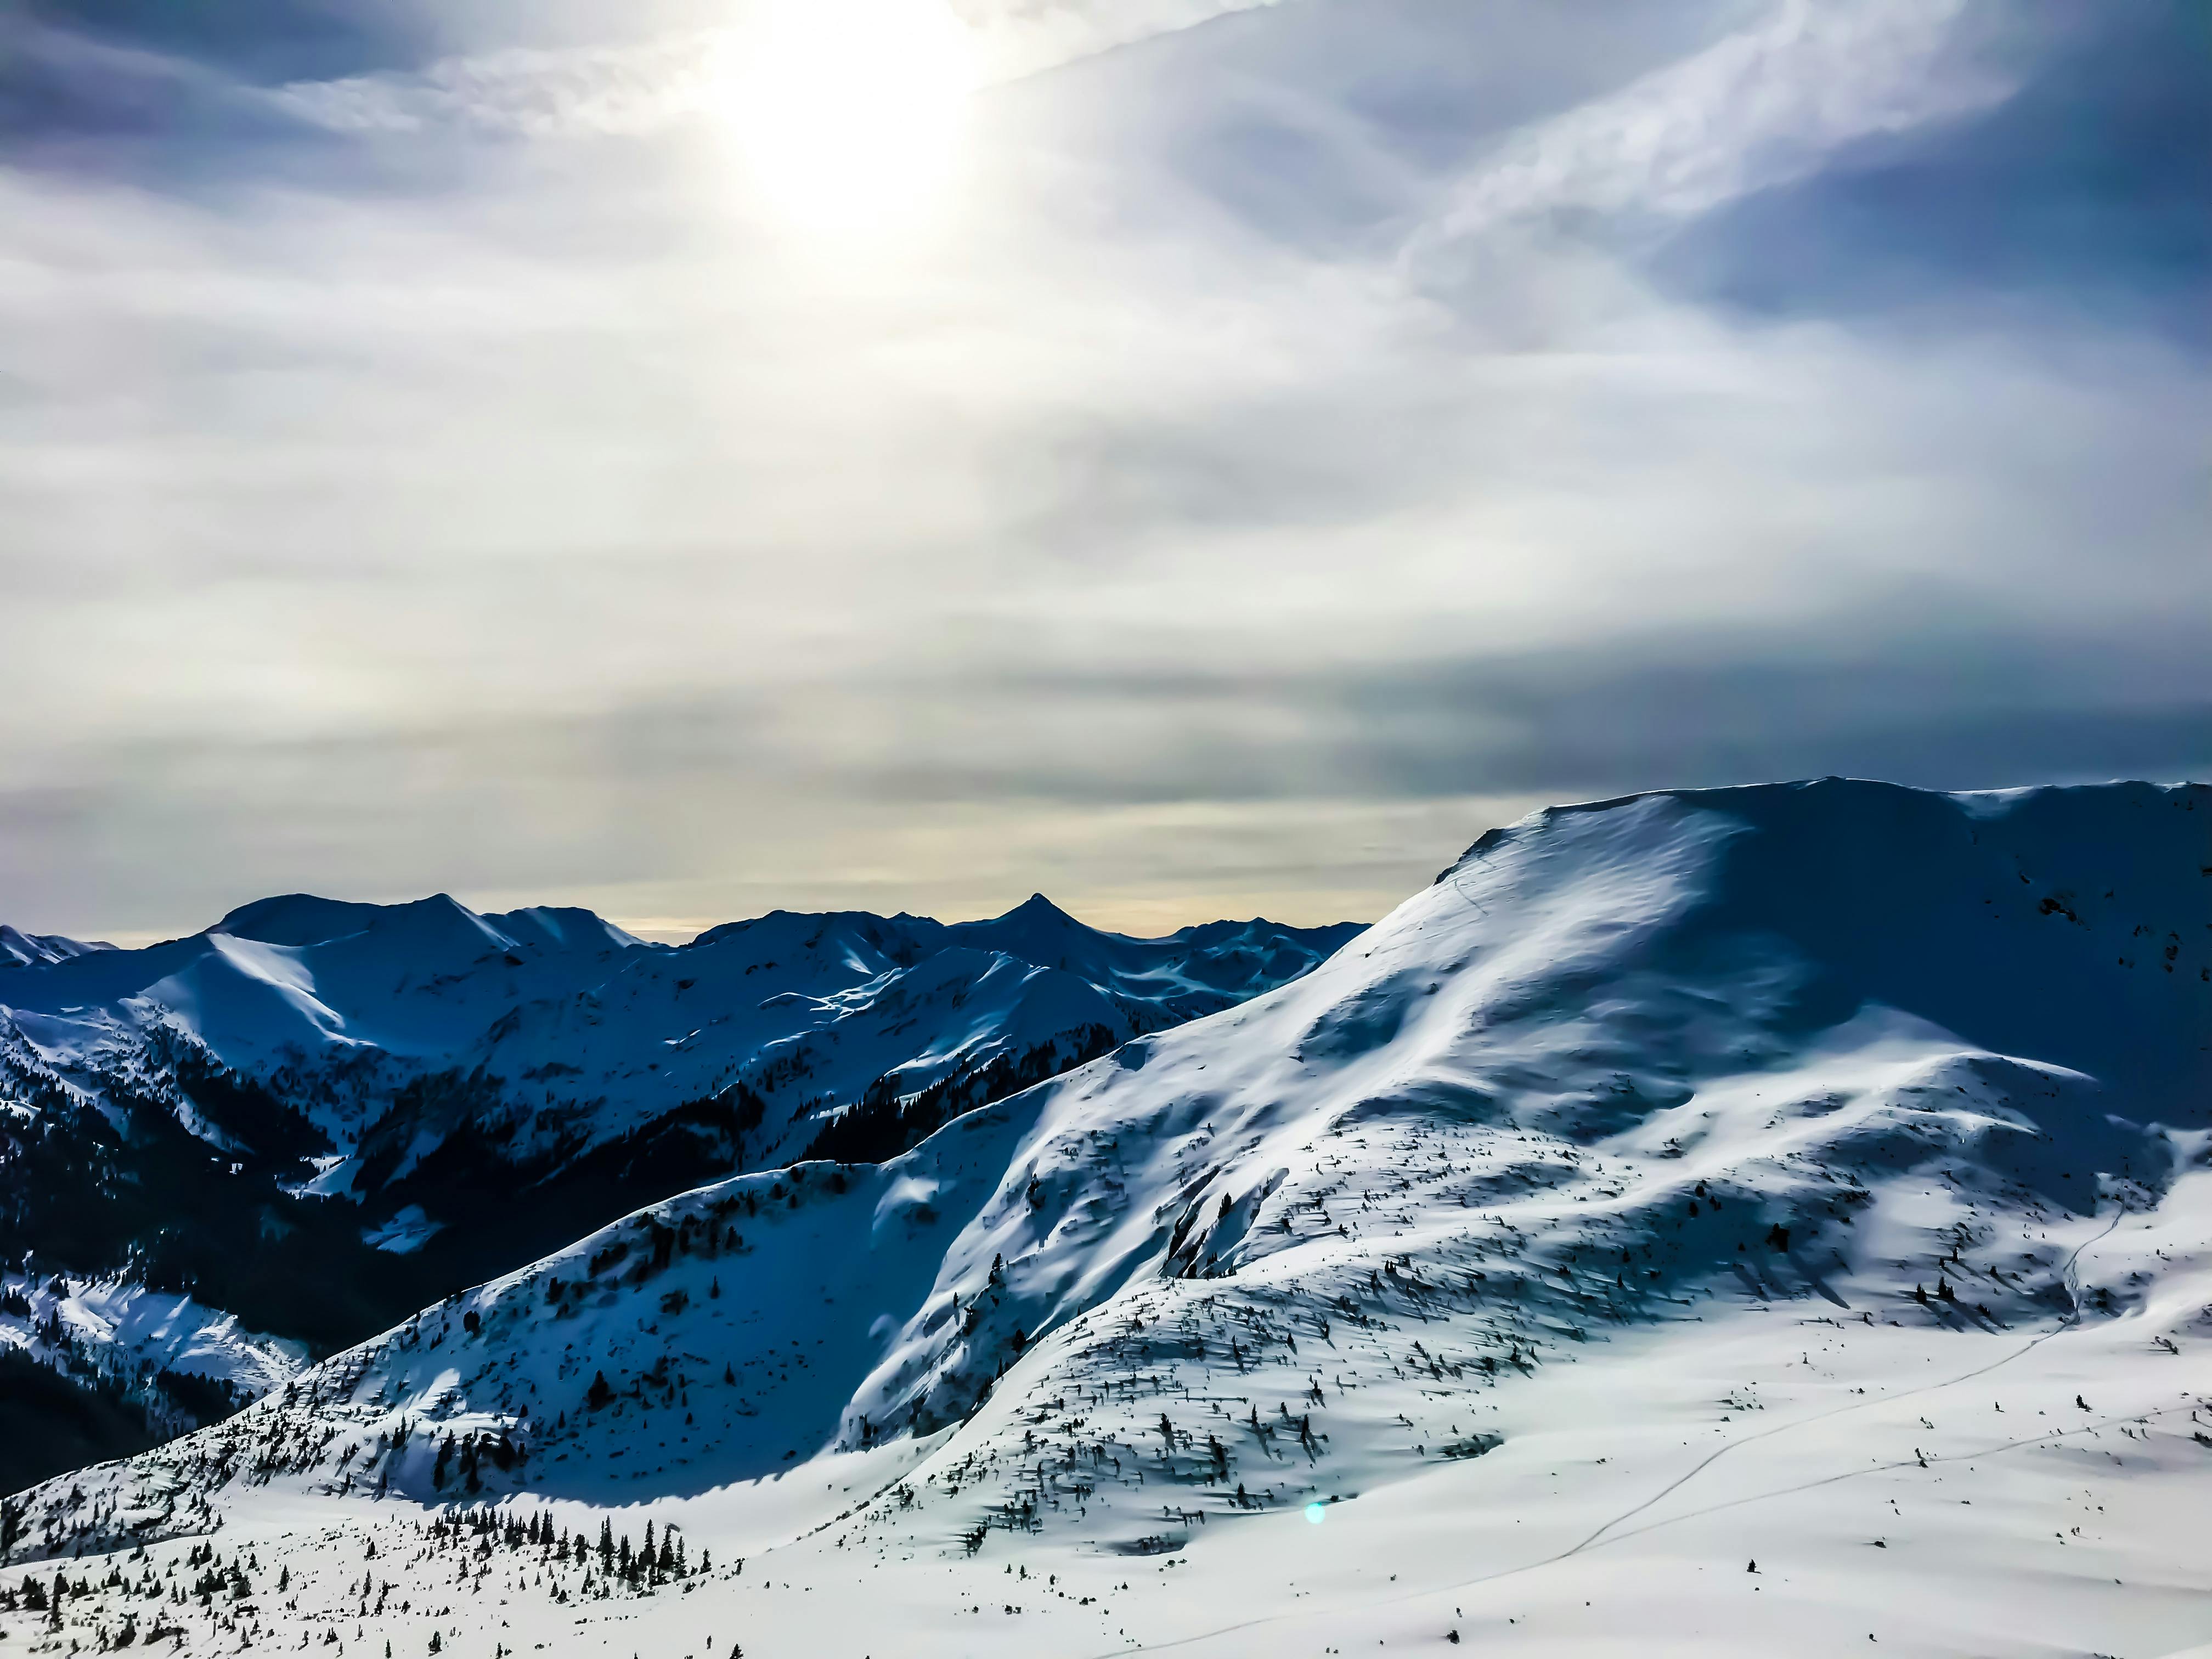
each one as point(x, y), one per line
point(1754, 109)
point(642, 87)
point(633, 88)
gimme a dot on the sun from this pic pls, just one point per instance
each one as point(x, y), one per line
point(847, 113)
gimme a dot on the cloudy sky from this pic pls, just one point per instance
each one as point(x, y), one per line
point(687, 456)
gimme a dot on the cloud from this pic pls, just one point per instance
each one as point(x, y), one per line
point(1141, 799)
point(1020, 38)
point(642, 87)
point(416, 511)
point(2084, 192)
point(1754, 109)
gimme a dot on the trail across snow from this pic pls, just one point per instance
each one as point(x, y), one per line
point(2021, 1353)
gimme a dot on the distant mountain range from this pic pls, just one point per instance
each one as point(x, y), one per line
point(320, 1116)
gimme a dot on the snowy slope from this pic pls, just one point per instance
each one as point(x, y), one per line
point(318, 1116)
point(161, 1357)
point(91, 1370)
point(1554, 1247)
point(124, 1328)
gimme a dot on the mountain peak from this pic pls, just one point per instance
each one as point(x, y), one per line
point(1037, 908)
point(296, 919)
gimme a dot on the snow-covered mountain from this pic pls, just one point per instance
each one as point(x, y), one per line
point(90, 1368)
point(1855, 1133)
point(552, 1030)
point(19, 949)
point(318, 1116)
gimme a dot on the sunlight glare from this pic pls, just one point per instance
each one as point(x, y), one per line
point(848, 112)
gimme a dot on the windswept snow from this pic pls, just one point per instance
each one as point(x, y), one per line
point(1740, 1221)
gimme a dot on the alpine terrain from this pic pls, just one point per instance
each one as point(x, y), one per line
point(1749, 1221)
point(313, 1117)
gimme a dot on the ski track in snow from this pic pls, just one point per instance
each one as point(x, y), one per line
point(2027, 1347)
point(1601, 1535)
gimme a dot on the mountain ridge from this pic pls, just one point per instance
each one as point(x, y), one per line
point(1593, 1075)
